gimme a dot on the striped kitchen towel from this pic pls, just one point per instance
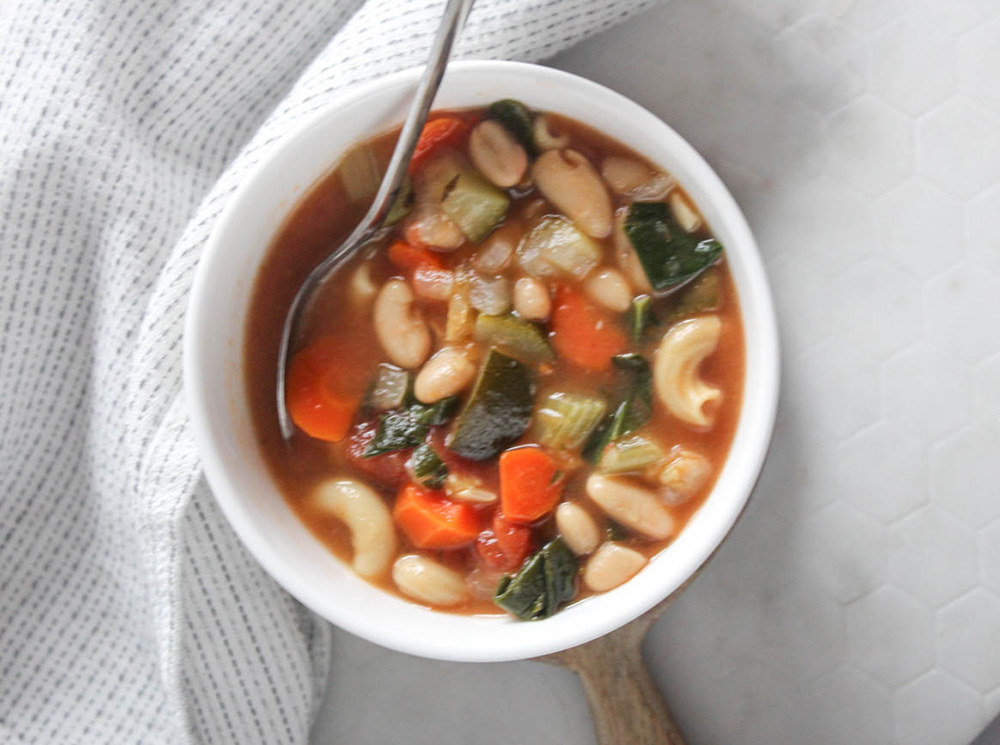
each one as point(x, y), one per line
point(128, 610)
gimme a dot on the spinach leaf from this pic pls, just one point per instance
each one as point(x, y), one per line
point(516, 119)
point(668, 254)
point(406, 427)
point(426, 467)
point(545, 582)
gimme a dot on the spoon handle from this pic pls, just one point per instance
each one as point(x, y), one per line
point(624, 701)
point(455, 13)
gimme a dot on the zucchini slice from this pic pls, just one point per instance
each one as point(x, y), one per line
point(498, 410)
point(514, 336)
point(516, 119)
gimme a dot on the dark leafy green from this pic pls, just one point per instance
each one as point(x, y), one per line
point(427, 467)
point(545, 582)
point(668, 254)
point(516, 119)
point(634, 408)
point(406, 427)
point(498, 410)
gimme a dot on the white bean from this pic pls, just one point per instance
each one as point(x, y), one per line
point(531, 299)
point(568, 180)
point(496, 154)
point(401, 331)
point(609, 288)
point(683, 476)
point(427, 581)
point(362, 288)
point(611, 565)
point(632, 506)
point(577, 528)
point(373, 535)
point(545, 138)
point(624, 174)
point(448, 372)
point(628, 260)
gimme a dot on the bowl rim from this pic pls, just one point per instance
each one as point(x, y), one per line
point(527, 643)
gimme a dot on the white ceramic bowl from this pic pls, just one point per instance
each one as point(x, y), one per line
point(213, 376)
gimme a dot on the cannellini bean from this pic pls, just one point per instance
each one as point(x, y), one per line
point(655, 189)
point(683, 476)
point(531, 299)
point(676, 379)
point(684, 211)
point(609, 288)
point(545, 138)
point(624, 174)
point(448, 372)
point(426, 580)
point(433, 284)
point(373, 535)
point(628, 260)
point(568, 180)
point(631, 505)
point(611, 565)
point(466, 488)
point(362, 288)
point(577, 528)
point(401, 331)
point(497, 154)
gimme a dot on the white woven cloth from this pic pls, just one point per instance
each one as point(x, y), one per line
point(128, 610)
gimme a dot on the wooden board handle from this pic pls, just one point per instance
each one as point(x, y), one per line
point(626, 705)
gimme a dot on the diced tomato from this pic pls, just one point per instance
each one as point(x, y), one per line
point(388, 469)
point(505, 545)
point(445, 130)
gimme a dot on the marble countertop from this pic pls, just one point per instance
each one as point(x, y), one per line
point(858, 599)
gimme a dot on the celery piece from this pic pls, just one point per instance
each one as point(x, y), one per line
point(633, 453)
point(564, 421)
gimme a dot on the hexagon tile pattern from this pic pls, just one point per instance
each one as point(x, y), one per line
point(858, 600)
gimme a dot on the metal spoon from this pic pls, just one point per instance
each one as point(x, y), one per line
point(371, 227)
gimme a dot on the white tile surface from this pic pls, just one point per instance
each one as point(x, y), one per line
point(858, 600)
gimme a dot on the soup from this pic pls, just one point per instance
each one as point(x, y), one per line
point(521, 394)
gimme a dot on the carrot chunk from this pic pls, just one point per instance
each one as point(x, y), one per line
point(409, 258)
point(583, 333)
point(431, 520)
point(444, 130)
point(530, 484)
point(319, 400)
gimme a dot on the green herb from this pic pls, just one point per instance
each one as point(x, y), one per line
point(667, 253)
point(426, 467)
point(517, 120)
point(545, 582)
point(514, 336)
point(634, 409)
point(640, 317)
point(498, 410)
point(406, 427)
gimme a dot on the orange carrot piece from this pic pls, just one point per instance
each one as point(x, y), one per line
point(583, 333)
point(431, 520)
point(318, 399)
point(410, 258)
point(530, 484)
point(444, 130)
